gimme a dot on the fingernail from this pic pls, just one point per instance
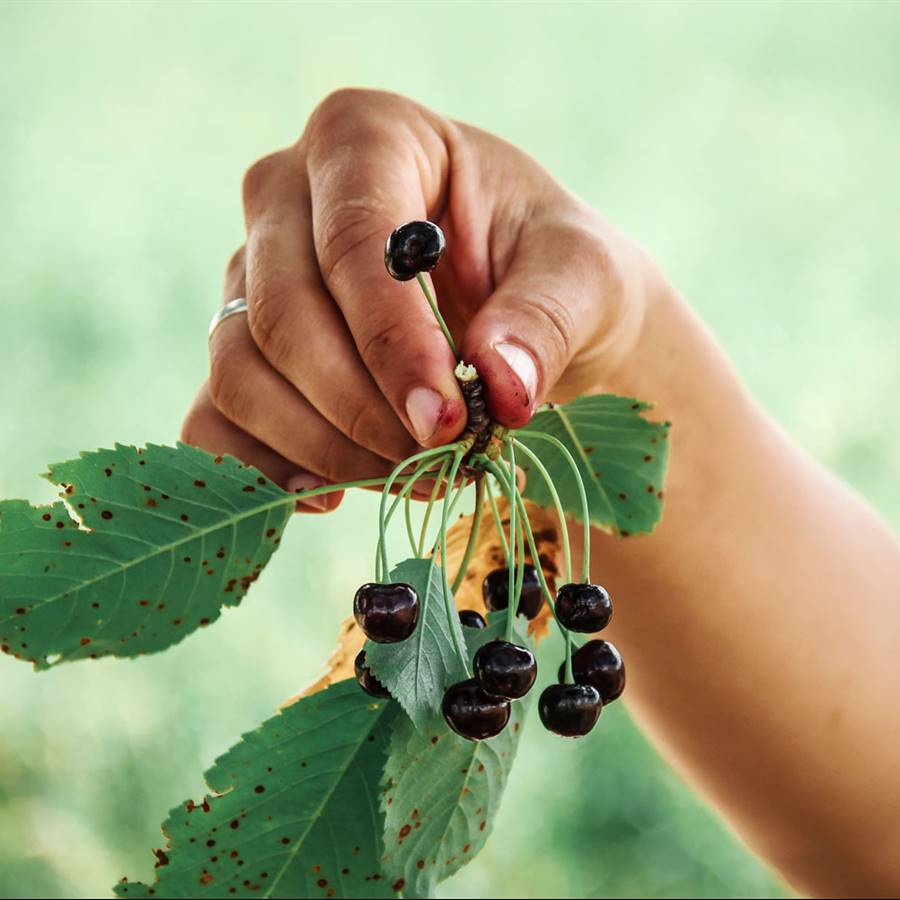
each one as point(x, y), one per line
point(520, 361)
point(296, 484)
point(423, 406)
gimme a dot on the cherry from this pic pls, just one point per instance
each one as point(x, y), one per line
point(387, 613)
point(505, 670)
point(367, 681)
point(412, 248)
point(472, 619)
point(571, 710)
point(599, 664)
point(472, 713)
point(583, 607)
point(495, 590)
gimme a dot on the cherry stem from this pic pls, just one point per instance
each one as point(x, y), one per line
point(437, 313)
point(512, 606)
point(497, 523)
point(579, 481)
point(402, 495)
point(498, 473)
point(434, 492)
point(560, 511)
point(449, 603)
point(473, 532)
point(381, 555)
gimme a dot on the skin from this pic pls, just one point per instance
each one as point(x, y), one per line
point(760, 622)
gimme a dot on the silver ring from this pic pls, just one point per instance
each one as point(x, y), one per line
point(231, 308)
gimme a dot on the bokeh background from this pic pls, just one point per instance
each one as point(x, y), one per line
point(753, 147)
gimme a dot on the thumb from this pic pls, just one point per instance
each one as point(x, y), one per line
point(543, 311)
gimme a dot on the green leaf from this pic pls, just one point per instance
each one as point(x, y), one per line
point(419, 669)
point(295, 811)
point(621, 455)
point(147, 546)
point(442, 792)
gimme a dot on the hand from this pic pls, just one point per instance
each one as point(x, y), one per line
point(338, 371)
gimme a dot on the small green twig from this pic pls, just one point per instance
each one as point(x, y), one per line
point(473, 532)
point(437, 313)
point(579, 481)
point(449, 603)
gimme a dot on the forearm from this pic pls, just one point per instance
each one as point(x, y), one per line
point(761, 625)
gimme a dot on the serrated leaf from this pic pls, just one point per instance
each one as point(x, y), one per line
point(295, 811)
point(148, 546)
point(621, 455)
point(418, 670)
point(442, 792)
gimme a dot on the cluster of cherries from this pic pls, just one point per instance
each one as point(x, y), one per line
point(479, 707)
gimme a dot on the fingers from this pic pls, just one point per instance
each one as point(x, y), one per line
point(207, 428)
point(296, 324)
point(548, 305)
point(250, 394)
point(368, 174)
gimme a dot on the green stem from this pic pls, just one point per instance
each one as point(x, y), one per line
point(300, 496)
point(556, 502)
point(449, 604)
point(403, 495)
point(437, 313)
point(434, 492)
point(407, 515)
point(512, 607)
point(497, 523)
point(416, 457)
point(585, 509)
point(473, 532)
point(532, 545)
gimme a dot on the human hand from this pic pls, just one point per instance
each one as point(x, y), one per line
point(338, 371)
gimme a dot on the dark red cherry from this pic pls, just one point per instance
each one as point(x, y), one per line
point(412, 248)
point(387, 613)
point(472, 713)
point(599, 664)
point(367, 681)
point(583, 607)
point(570, 710)
point(503, 669)
point(495, 590)
point(472, 619)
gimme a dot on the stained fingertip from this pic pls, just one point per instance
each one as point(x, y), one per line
point(510, 378)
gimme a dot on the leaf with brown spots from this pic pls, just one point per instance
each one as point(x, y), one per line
point(621, 455)
point(442, 793)
point(145, 546)
point(294, 809)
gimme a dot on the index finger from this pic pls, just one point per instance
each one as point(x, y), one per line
point(365, 180)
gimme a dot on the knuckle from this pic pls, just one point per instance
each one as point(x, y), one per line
point(235, 264)
point(558, 315)
point(227, 391)
point(346, 226)
point(340, 107)
point(258, 178)
point(269, 320)
point(385, 342)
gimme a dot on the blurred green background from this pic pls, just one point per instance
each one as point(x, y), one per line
point(752, 147)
